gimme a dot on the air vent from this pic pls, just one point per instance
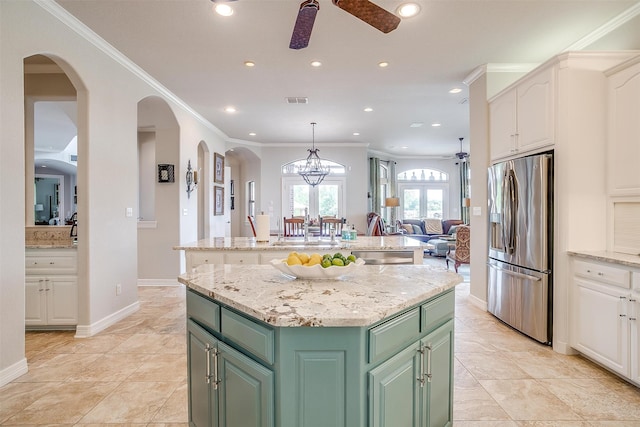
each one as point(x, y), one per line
point(463, 101)
point(73, 157)
point(297, 100)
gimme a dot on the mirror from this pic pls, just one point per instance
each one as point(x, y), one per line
point(49, 200)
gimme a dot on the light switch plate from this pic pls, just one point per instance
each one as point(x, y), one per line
point(129, 212)
point(477, 211)
point(184, 211)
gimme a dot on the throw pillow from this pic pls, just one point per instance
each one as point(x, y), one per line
point(408, 228)
point(433, 226)
point(416, 229)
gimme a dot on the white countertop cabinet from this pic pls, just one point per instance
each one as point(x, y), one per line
point(522, 118)
point(605, 312)
point(51, 288)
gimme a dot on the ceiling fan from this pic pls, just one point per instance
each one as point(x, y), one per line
point(462, 154)
point(364, 10)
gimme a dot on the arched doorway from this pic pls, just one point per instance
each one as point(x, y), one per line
point(158, 192)
point(244, 171)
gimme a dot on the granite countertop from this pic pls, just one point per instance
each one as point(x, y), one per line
point(608, 256)
point(369, 294)
point(52, 245)
point(289, 243)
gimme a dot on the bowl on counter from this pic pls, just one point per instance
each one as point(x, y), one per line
point(315, 271)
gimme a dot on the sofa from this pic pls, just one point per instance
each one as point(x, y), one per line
point(430, 230)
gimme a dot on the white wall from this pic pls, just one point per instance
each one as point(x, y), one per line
point(108, 94)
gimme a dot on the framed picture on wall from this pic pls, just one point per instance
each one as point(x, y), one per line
point(165, 173)
point(219, 201)
point(218, 175)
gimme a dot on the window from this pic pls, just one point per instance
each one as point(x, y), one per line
point(325, 199)
point(424, 193)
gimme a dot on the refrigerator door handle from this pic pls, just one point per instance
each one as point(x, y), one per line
point(510, 209)
point(515, 274)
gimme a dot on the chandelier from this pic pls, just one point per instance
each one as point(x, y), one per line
point(313, 171)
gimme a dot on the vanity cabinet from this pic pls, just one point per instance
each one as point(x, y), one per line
point(243, 372)
point(51, 288)
point(605, 312)
point(624, 130)
point(521, 119)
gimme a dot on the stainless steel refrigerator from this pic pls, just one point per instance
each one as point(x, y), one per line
point(520, 287)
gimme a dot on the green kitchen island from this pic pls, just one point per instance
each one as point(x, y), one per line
point(373, 348)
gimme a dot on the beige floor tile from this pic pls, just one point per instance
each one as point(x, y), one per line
point(472, 342)
point(66, 403)
point(111, 367)
point(528, 400)
point(167, 367)
point(491, 366)
point(15, 397)
point(554, 424)
point(59, 367)
point(491, 423)
point(598, 398)
point(152, 343)
point(474, 403)
point(176, 408)
point(545, 363)
point(135, 402)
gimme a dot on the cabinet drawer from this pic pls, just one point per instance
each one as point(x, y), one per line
point(436, 312)
point(204, 311)
point(254, 337)
point(51, 264)
point(603, 273)
point(386, 338)
point(204, 257)
point(245, 257)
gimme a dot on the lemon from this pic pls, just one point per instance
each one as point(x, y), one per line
point(304, 258)
point(314, 261)
point(293, 260)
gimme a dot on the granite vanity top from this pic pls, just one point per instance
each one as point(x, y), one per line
point(382, 243)
point(608, 256)
point(369, 294)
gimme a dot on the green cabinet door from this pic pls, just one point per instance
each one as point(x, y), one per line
point(246, 390)
point(226, 388)
point(395, 390)
point(202, 396)
point(438, 408)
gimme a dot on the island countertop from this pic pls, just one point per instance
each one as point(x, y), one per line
point(371, 243)
point(367, 295)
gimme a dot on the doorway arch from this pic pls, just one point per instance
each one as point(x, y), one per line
point(158, 219)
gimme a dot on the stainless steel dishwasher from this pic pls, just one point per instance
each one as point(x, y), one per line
point(385, 257)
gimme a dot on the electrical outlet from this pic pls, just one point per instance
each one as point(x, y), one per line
point(118, 289)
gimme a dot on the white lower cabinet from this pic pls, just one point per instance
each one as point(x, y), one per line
point(51, 288)
point(604, 319)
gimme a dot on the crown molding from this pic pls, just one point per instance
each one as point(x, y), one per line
point(606, 28)
point(89, 35)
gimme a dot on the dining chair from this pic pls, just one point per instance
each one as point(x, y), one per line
point(461, 254)
point(293, 227)
point(327, 223)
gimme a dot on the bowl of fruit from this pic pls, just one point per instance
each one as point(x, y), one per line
point(317, 266)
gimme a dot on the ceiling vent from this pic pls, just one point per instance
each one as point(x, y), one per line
point(297, 100)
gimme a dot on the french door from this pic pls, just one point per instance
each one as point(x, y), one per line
point(325, 199)
point(423, 201)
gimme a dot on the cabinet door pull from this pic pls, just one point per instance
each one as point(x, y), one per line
point(421, 375)
point(216, 378)
point(207, 350)
point(40, 287)
point(429, 374)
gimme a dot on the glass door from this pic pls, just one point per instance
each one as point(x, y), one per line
point(325, 199)
point(422, 201)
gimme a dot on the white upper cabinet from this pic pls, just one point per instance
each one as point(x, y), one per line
point(522, 118)
point(624, 131)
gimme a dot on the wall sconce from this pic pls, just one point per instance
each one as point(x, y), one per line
point(192, 179)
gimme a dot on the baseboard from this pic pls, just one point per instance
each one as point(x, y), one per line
point(86, 331)
point(158, 282)
point(478, 302)
point(14, 371)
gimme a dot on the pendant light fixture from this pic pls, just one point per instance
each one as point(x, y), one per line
point(313, 171)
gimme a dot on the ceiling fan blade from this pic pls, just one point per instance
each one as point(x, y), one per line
point(304, 24)
point(370, 13)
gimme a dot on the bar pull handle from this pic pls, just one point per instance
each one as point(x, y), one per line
point(207, 350)
point(216, 377)
point(429, 375)
point(421, 375)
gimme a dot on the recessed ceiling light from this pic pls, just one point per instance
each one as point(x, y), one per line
point(383, 64)
point(356, 134)
point(249, 64)
point(407, 10)
point(368, 109)
point(252, 134)
point(455, 90)
point(316, 63)
point(435, 125)
point(416, 125)
point(223, 9)
point(404, 147)
point(230, 109)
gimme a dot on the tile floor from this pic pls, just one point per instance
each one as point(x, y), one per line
point(134, 373)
